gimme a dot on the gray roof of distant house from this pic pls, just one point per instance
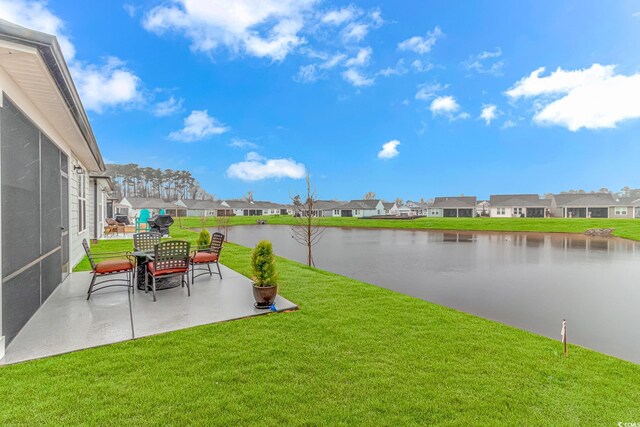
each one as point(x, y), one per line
point(360, 204)
point(388, 205)
point(519, 200)
point(455, 202)
point(628, 201)
point(48, 47)
point(327, 205)
point(200, 204)
point(585, 200)
point(256, 204)
point(151, 203)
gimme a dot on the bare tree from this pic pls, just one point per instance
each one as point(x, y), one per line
point(370, 195)
point(399, 201)
point(223, 223)
point(307, 229)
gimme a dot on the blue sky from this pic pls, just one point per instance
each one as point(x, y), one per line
point(407, 99)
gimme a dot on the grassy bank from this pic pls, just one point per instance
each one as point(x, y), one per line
point(627, 228)
point(354, 354)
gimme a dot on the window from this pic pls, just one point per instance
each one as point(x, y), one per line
point(501, 211)
point(621, 210)
point(336, 211)
point(356, 212)
point(82, 203)
point(517, 211)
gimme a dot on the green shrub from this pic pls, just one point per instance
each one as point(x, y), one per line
point(204, 238)
point(263, 265)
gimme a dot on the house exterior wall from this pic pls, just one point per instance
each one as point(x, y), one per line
point(617, 211)
point(19, 98)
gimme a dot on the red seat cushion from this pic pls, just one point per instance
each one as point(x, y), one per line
point(113, 265)
point(204, 257)
point(153, 271)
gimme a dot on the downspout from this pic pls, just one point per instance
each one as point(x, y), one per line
point(95, 209)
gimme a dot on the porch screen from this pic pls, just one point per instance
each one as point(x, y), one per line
point(31, 218)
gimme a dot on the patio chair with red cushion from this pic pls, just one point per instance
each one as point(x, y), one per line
point(108, 264)
point(170, 259)
point(204, 257)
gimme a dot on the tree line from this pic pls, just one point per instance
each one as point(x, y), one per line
point(132, 180)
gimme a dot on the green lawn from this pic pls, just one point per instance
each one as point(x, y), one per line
point(354, 354)
point(627, 228)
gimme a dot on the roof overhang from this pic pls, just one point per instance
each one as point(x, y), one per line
point(104, 180)
point(35, 62)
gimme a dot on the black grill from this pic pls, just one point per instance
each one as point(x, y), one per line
point(160, 224)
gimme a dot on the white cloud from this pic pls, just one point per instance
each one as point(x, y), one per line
point(340, 16)
point(447, 106)
point(307, 74)
point(508, 124)
point(489, 113)
point(389, 150)
point(636, 14)
point(242, 143)
point(99, 86)
point(262, 28)
point(361, 59)
point(130, 9)
point(590, 98)
point(397, 70)
point(197, 126)
point(109, 85)
point(422, 45)
point(421, 67)
point(256, 168)
point(355, 32)
point(168, 107)
point(333, 60)
point(486, 62)
point(356, 78)
point(34, 14)
point(428, 91)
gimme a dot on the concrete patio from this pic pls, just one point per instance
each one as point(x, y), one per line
point(68, 322)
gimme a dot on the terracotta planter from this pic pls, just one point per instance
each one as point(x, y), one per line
point(264, 295)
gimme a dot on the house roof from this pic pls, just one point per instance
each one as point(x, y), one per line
point(628, 201)
point(200, 204)
point(360, 204)
point(326, 205)
point(388, 205)
point(256, 204)
point(455, 202)
point(149, 203)
point(24, 54)
point(519, 200)
point(585, 200)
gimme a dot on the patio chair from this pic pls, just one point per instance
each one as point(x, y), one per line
point(170, 259)
point(206, 257)
point(141, 220)
point(112, 263)
point(146, 241)
point(111, 227)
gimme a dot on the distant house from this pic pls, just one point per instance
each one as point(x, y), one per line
point(417, 208)
point(483, 208)
point(250, 208)
point(360, 208)
point(589, 205)
point(632, 205)
point(198, 208)
point(322, 208)
point(131, 206)
point(452, 207)
point(519, 206)
point(390, 208)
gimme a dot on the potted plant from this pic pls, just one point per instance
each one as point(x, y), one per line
point(265, 277)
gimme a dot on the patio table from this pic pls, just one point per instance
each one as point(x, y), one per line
point(142, 259)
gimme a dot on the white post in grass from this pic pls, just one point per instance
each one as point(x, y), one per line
point(564, 336)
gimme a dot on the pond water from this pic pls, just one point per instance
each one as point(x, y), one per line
point(528, 280)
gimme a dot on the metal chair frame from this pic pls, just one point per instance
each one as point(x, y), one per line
point(146, 241)
point(167, 256)
point(215, 247)
point(130, 273)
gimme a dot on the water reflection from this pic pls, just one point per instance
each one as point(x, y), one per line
point(528, 280)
